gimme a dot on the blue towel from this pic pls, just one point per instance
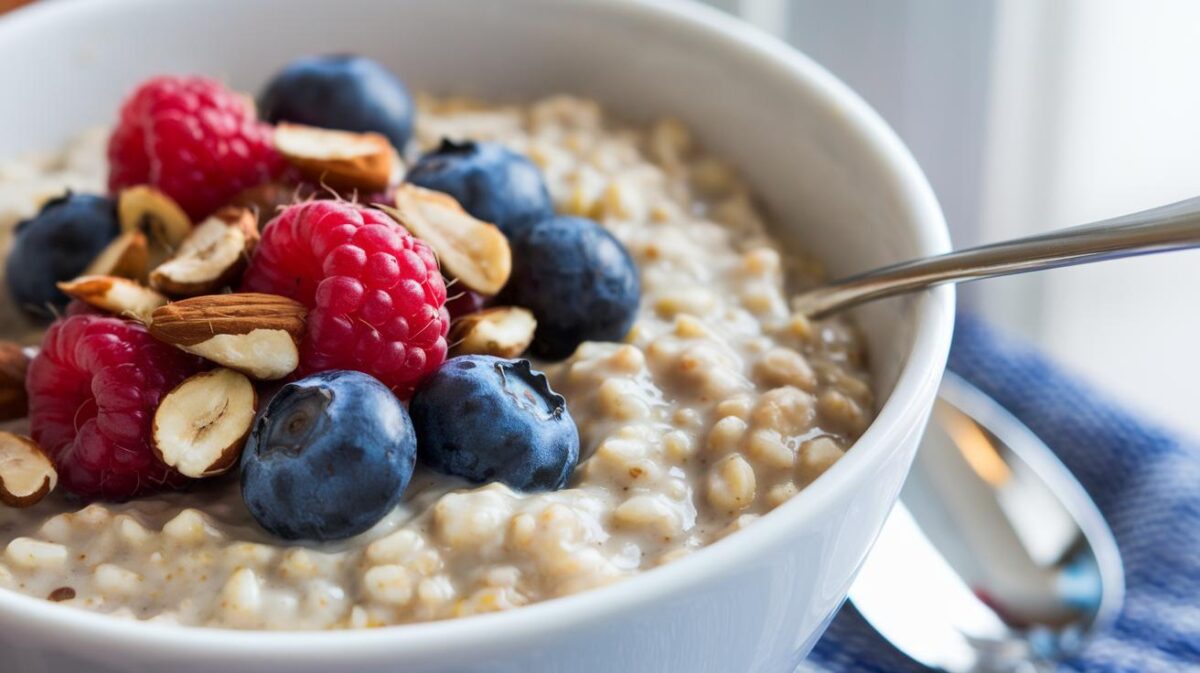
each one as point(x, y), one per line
point(1145, 480)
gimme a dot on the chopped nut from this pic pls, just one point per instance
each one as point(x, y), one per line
point(266, 199)
point(14, 402)
point(256, 334)
point(128, 256)
point(26, 474)
point(201, 426)
point(157, 216)
point(213, 256)
point(473, 251)
point(504, 331)
point(340, 159)
point(119, 296)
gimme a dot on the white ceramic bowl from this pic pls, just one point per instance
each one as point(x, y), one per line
point(837, 184)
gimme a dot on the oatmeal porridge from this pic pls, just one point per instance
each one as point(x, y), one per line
point(716, 407)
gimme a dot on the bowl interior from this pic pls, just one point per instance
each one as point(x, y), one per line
point(835, 182)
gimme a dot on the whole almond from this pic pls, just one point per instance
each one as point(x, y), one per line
point(128, 256)
point(144, 208)
point(256, 334)
point(502, 331)
point(119, 296)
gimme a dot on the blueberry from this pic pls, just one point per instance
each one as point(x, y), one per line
point(55, 245)
point(328, 458)
point(578, 280)
point(484, 419)
point(340, 91)
point(492, 182)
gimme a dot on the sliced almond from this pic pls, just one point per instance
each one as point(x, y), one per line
point(165, 225)
point(128, 256)
point(14, 403)
point(256, 334)
point(504, 331)
point(26, 474)
point(119, 296)
point(471, 250)
point(340, 159)
point(201, 426)
point(213, 256)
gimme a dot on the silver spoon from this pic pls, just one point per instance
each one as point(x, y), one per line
point(1172, 227)
point(995, 559)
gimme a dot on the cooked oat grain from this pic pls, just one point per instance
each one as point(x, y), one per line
point(719, 406)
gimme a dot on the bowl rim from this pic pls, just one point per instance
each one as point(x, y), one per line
point(917, 381)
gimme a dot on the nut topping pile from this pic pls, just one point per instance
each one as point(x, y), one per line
point(217, 256)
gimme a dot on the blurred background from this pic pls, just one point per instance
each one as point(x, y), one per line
point(1029, 115)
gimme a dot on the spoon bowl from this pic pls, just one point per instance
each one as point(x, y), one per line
point(995, 558)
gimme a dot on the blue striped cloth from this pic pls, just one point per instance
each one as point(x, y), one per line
point(1145, 480)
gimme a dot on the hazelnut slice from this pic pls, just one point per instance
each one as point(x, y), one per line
point(212, 256)
point(14, 402)
point(201, 426)
point(145, 209)
point(504, 331)
point(340, 159)
point(256, 334)
point(128, 256)
point(119, 296)
point(471, 250)
point(26, 474)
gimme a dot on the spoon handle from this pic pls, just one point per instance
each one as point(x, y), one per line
point(1171, 227)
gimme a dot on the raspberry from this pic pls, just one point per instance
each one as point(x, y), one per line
point(195, 140)
point(93, 390)
point(375, 295)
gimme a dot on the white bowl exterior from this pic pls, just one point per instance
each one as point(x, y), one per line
point(836, 182)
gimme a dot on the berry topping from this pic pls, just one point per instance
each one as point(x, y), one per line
point(578, 280)
point(56, 245)
point(330, 456)
point(491, 182)
point(376, 299)
point(93, 391)
point(340, 91)
point(192, 138)
point(487, 419)
point(503, 331)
